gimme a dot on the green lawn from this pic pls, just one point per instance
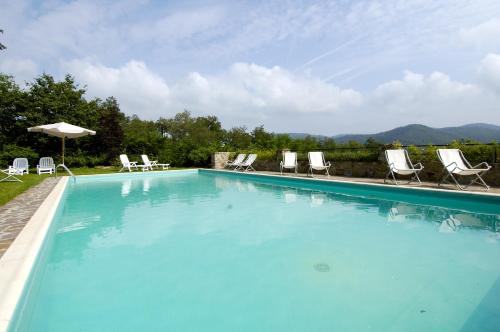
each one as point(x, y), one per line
point(9, 190)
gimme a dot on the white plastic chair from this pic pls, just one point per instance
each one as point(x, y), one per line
point(19, 167)
point(247, 164)
point(317, 162)
point(153, 163)
point(129, 165)
point(46, 165)
point(289, 161)
point(455, 163)
point(238, 160)
point(399, 162)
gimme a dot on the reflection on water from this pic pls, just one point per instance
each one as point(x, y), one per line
point(126, 186)
point(318, 199)
point(448, 220)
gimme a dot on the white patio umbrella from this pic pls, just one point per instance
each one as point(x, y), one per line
point(63, 130)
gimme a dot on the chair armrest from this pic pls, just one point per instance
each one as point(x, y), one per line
point(419, 165)
point(133, 163)
point(483, 163)
point(328, 163)
point(451, 164)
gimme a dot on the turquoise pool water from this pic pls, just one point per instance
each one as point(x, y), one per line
point(191, 251)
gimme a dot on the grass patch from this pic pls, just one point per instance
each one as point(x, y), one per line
point(9, 190)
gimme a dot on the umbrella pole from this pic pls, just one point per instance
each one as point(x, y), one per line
point(63, 150)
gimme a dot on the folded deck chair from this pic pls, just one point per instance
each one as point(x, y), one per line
point(19, 167)
point(399, 162)
point(129, 165)
point(11, 175)
point(289, 161)
point(317, 162)
point(238, 160)
point(247, 164)
point(153, 163)
point(455, 164)
point(46, 165)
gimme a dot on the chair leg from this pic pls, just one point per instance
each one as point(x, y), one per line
point(311, 170)
point(418, 179)
point(457, 183)
point(10, 178)
point(479, 180)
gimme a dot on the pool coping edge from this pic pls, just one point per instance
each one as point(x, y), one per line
point(17, 262)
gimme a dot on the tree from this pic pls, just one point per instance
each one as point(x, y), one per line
point(12, 107)
point(110, 132)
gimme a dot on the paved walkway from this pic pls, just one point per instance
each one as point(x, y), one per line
point(16, 213)
point(432, 185)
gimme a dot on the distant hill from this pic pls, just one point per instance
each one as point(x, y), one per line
point(304, 135)
point(420, 134)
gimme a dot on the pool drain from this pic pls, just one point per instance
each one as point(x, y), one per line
point(322, 267)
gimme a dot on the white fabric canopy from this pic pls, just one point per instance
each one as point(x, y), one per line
point(63, 130)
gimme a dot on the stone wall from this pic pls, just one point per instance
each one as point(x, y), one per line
point(376, 169)
point(219, 159)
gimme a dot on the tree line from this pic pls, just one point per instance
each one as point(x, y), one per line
point(182, 140)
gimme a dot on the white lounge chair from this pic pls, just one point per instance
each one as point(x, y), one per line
point(455, 163)
point(247, 164)
point(129, 165)
point(317, 162)
point(399, 162)
point(289, 161)
point(46, 165)
point(238, 160)
point(153, 163)
point(19, 167)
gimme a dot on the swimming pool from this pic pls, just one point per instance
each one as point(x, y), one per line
point(214, 251)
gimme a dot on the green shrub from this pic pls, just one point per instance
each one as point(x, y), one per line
point(12, 151)
point(268, 155)
point(82, 160)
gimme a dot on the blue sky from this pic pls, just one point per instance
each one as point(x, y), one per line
point(324, 67)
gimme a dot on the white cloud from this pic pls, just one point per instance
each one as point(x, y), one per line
point(433, 99)
point(248, 94)
point(489, 72)
point(138, 90)
point(243, 90)
point(254, 88)
point(21, 69)
point(484, 35)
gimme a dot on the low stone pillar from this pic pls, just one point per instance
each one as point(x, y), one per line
point(219, 159)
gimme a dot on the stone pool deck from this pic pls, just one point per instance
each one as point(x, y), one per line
point(15, 214)
point(431, 185)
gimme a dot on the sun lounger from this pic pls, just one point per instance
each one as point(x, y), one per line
point(289, 161)
point(317, 163)
point(399, 162)
point(153, 163)
point(129, 165)
point(455, 165)
point(238, 160)
point(247, 164)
